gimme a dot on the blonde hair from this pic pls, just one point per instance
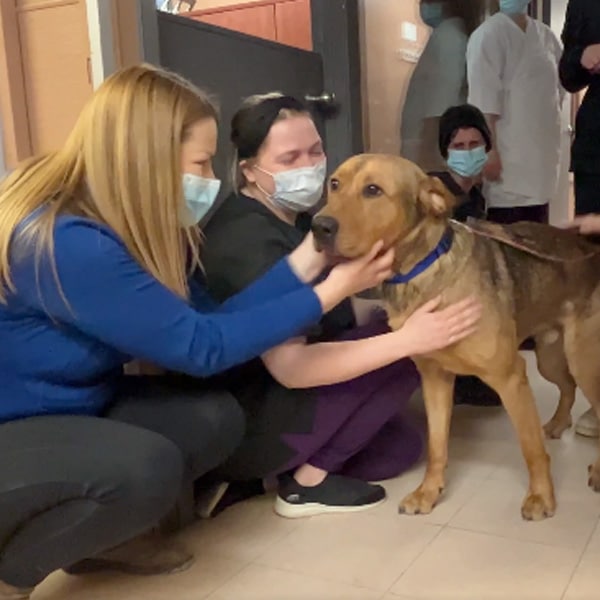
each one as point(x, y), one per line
point(120, 166)
point(242, 125)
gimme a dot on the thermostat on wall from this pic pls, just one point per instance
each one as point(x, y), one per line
point(408, 31)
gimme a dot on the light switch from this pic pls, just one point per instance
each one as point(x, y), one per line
point(408, 31)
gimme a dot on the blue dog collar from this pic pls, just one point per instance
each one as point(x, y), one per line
point(442, 248)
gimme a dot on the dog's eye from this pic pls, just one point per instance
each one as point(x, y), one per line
point(372, 191)
point(334, 184)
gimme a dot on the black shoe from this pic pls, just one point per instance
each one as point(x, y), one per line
point(335, 494)
point(471, 390)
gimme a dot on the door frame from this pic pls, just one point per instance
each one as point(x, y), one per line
point(335, 26)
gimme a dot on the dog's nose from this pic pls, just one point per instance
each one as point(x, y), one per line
point(325, 229)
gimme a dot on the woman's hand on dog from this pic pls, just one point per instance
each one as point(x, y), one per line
point(429, 329)
point(351, 277)
point(586, 224)
point(306, 261)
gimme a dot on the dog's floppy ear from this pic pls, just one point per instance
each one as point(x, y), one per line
point(435, 197)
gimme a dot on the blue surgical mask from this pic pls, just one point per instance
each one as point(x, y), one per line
point(514, 7)
point(200, 194)
point(467, 163)
point(297, 190)
point(432, 13)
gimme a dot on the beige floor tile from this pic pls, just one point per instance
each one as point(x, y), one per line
point(569, 459)
point(208, 573)
point(358, 549)
point(585, 584)
point(594, 545)
point(461, 565)
point(243, 531)
point(461, 486)
point(496, 509)
point(257, 582)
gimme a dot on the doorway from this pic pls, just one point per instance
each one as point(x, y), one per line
point(326, 77)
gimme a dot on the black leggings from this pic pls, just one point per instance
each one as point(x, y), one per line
point(587, 193)
point(73, 486)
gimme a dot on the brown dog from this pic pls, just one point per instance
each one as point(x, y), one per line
point(547, 287)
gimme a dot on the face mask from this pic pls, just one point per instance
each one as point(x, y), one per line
point(467, 163)
point(200, 194)
point(514, 7)
point(297, 190)
point(432, 14)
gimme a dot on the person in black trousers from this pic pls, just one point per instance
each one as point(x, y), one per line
point(580, 69)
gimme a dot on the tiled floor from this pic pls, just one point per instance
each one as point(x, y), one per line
point(474, 546)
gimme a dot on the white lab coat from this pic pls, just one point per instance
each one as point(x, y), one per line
point(514, 74)
point(439, 81)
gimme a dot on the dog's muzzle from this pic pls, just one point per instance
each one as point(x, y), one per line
point(325, 230)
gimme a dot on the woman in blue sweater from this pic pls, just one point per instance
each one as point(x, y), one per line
point(96, 242)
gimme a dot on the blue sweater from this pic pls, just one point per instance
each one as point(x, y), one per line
point(66, 358)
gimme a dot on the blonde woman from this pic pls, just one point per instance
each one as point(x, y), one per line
point(96, 242)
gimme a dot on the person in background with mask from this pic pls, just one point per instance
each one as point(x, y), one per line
point(464, 142)
point(512, 65)
point(580, 69)
point(326, 412)
point(440, 77)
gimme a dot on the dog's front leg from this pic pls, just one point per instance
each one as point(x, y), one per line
point(438, 386)
point(513, 386)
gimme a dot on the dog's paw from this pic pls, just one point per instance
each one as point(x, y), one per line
point(594, 477)
point(555, 427)
point(420, 502)
point(537, 507)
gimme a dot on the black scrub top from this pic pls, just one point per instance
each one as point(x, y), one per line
point(469, 205)
point(243, 240)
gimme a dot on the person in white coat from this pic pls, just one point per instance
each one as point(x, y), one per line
point(512, 69)
point(439, 80)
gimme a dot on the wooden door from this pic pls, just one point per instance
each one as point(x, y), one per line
point(293, 23)
point(256, 20)
point(46, 58)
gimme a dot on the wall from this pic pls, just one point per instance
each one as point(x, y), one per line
point(563, 207)
point(127, 45)
point(385, 75)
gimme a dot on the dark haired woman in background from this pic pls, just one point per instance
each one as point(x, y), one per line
point(326, 411)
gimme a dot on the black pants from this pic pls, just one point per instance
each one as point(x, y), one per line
point(587, 193)
point(537, 213)
point(73, 486)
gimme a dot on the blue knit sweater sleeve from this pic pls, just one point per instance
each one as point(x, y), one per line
point(279, 280)
point(112, 299)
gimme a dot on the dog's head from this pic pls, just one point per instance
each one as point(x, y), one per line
point(374, 197)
